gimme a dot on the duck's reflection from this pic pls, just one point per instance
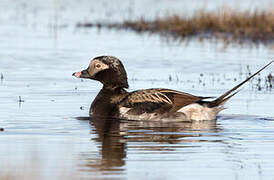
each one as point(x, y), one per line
point(116, 137)
point(113, 148)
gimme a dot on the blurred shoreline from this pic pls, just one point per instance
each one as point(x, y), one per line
point(224, 23)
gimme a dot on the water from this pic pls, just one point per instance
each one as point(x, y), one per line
point(48, 135)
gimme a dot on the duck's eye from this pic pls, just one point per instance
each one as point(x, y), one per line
point(98, 66)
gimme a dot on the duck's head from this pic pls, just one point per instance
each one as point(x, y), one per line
point(109, 70)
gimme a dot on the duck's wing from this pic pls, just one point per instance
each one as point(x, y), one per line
point(157, 101)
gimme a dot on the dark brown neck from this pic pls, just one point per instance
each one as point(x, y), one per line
point(106, 102)
point(113, 87)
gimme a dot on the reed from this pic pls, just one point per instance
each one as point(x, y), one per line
point(257, 25)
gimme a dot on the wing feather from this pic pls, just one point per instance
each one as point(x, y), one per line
point(158, 100)
point(148, 96)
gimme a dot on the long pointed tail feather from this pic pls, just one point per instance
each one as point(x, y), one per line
point(224, 97)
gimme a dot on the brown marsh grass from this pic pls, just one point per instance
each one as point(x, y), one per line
point(256, 25)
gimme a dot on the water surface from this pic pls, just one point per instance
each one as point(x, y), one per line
point(49, 135)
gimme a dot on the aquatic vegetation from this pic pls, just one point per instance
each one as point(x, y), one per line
point(264, 82)
point(225, 23)
point(20, 100)
point(2, 77)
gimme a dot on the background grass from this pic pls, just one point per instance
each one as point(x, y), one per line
point(222, 23)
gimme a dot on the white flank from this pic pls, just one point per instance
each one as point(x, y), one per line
point(144, 116)
point(192, 112)
point(198, 112)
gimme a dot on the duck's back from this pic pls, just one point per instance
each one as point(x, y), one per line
point(156, 104)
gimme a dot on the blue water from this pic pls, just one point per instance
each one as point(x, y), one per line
point(49, 134)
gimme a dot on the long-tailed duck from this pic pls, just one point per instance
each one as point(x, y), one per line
point(149, 104)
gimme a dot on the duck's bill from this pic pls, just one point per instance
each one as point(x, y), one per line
point(81, 74)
